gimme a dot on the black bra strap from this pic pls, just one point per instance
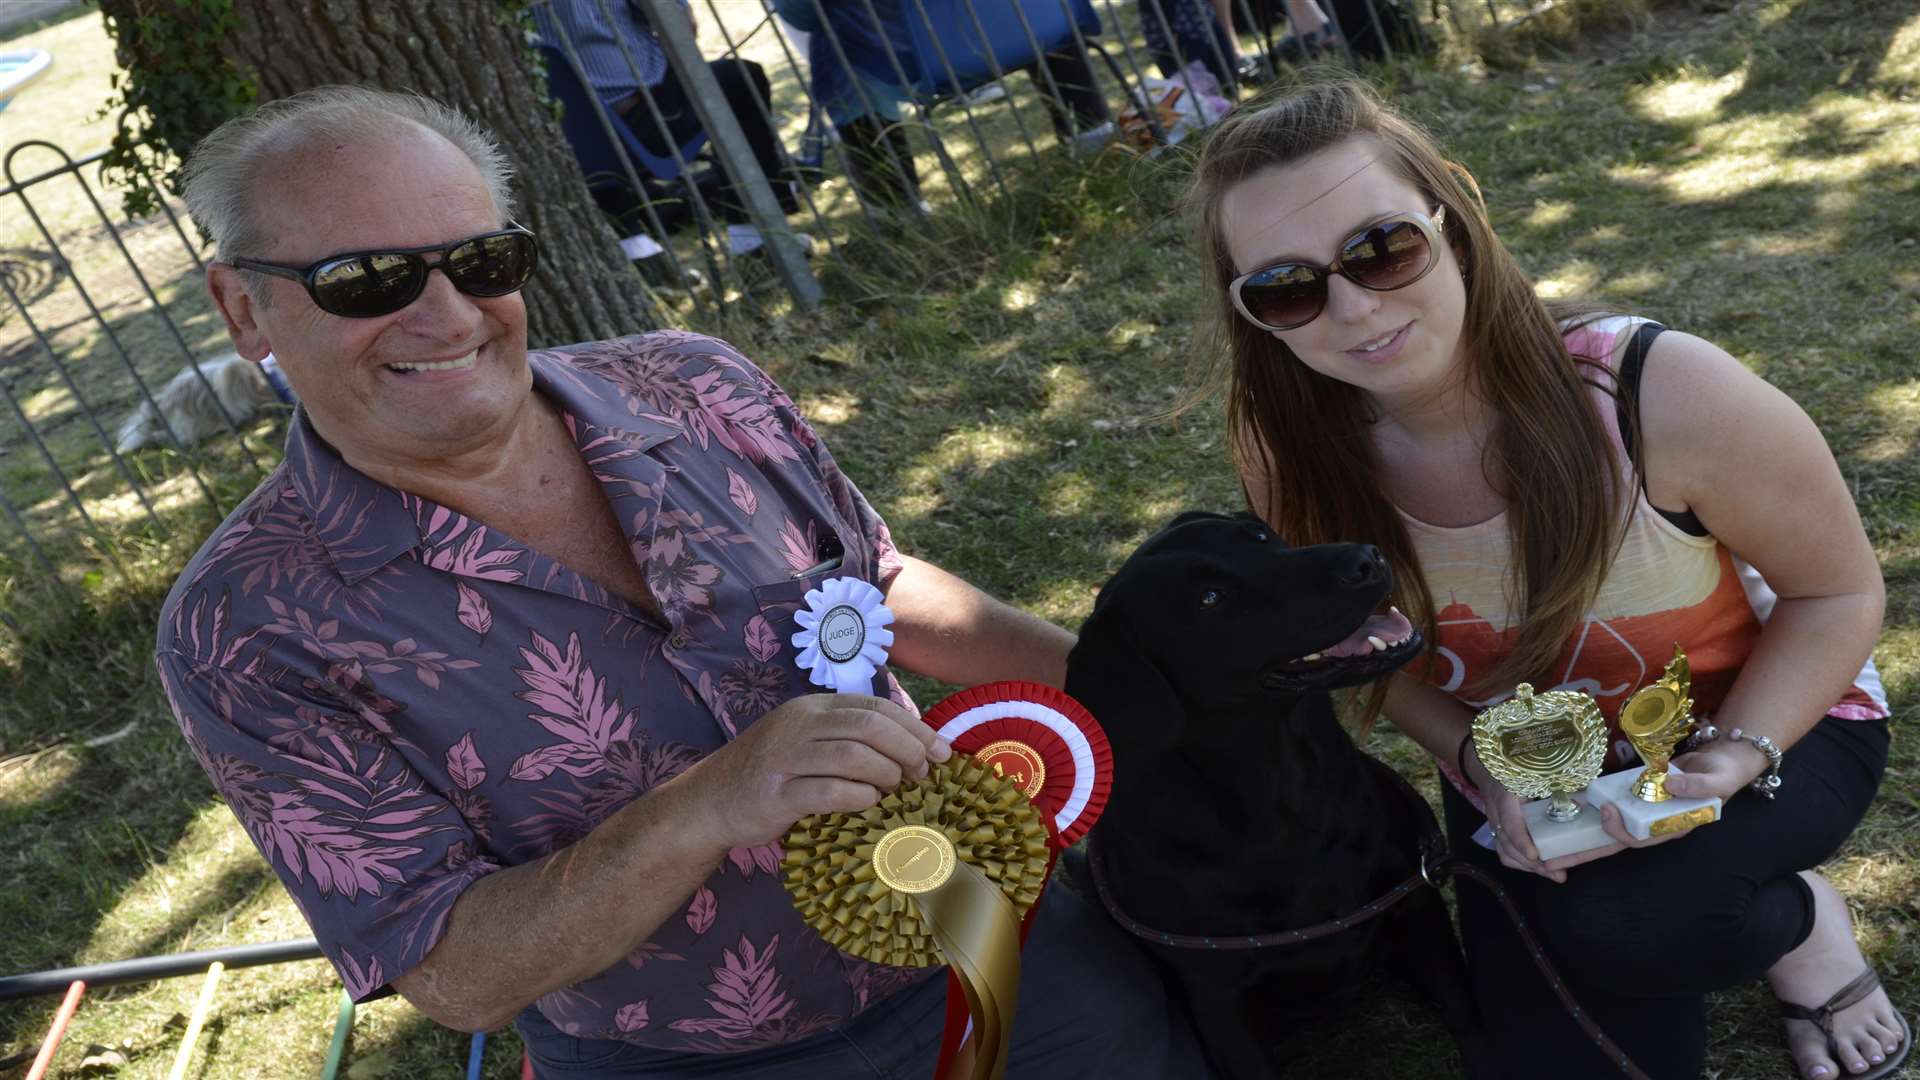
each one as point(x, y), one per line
point(1631, 367)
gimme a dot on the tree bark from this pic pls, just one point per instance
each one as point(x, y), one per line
point(471, 55)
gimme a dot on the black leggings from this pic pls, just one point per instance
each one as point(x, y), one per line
point(1642, 936)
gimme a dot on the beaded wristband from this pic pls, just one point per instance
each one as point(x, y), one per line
point(1460, 756)
point(1766, 783)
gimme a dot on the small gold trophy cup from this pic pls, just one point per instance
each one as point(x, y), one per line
point(1548, 747)
point(1655, 719)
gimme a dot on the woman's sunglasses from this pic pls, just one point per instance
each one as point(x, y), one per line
point(1389, 254)
point(366, 284)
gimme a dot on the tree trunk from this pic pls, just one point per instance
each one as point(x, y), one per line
point(471, 55)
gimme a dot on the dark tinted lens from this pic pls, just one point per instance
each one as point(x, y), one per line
point(491, 265)
point(1387, 256)
point(363, 286)
point(1285, 296)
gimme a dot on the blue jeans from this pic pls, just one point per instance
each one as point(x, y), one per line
point(1091, 1005)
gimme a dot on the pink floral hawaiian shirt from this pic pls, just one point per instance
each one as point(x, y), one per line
point(396, 700)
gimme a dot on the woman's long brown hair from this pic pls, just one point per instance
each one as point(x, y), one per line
point(1549, 456)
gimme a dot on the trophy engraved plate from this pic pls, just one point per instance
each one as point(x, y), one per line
point(1547, 741)
point(1547, 747)
point(1678, 823)
point(1655, 720)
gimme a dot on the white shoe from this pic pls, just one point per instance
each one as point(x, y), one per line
point(984, 95)
point(640, 246)
point(1093, 140)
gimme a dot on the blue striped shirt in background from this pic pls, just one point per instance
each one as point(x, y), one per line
point(596, 30)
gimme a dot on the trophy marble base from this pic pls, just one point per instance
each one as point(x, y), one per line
point(1645, 819)
point(1556, 838)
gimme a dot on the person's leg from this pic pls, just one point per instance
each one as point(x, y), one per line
point(1159, 33)
point(1092, 1004)
point(1636, 931)
point(896, 1038)
point(675, 124)
point(1853, 758)
point(1198, 38)
point(1526, 1022)
point(881, 161)
point(1091, 1007)
point(1079, 106)
point(748, 94)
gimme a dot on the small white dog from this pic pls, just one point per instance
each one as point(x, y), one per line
point(242, 387)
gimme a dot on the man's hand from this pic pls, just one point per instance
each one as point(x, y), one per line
point(815, 754)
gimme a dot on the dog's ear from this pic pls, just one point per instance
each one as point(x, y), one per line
point(1110, 674)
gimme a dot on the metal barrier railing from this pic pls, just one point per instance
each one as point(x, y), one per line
point(94, 393)
point(74, 982)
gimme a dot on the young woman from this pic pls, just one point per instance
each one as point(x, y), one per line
point(1563, 498)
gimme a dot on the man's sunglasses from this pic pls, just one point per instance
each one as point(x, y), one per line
point(1389, 254)
point(366, 284)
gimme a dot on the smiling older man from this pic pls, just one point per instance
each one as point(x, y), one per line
point(495, 668)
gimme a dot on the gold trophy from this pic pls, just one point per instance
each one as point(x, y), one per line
point(1655, 719)
point(1548, 747)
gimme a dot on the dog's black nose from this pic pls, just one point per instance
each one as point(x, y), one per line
point(1363, 564)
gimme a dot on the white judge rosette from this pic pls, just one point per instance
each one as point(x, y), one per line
point(843, 638)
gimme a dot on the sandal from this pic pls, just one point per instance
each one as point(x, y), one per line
point(1822, 1017)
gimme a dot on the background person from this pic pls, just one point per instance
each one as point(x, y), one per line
point(619, 54)
point(865, 102)
point(1571, 519)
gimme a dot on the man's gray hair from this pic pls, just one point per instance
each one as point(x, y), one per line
point(218, 181)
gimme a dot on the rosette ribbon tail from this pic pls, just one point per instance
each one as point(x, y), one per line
point(940, 871)
point(979, 934)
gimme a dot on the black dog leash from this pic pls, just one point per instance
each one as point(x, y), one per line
point(1436, 865)
point(1608, 1048)
point(1251, 941)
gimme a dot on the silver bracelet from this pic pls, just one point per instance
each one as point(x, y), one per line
point(1766, 783)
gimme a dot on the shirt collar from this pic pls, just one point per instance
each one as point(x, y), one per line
point(364, 524)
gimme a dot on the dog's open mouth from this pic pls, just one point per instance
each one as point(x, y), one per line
point(1381, 643)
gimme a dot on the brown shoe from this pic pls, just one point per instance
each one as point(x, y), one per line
point(1822, 1017)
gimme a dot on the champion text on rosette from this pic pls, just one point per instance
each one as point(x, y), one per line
point(1548, 747)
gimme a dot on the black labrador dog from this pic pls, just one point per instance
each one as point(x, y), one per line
point(1240, 806)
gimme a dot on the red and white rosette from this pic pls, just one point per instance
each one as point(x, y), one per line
point(1040, 735)
point(1052, 746)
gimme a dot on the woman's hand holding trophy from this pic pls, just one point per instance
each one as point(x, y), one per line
point(1549, 747)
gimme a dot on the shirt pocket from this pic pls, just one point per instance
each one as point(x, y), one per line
point(777, 603)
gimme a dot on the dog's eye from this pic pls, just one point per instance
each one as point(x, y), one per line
point(1211, 598)
point(1260, 535)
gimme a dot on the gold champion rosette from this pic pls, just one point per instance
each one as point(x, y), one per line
point(940, 871)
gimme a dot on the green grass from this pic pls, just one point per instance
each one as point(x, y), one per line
point(998, 384)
